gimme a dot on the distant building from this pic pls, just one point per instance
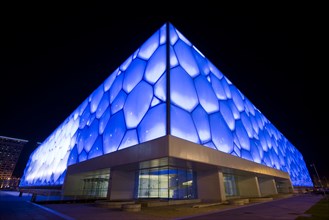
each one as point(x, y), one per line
point(10, 150)
point(167, 124)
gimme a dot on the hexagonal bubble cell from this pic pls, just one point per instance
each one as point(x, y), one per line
point(95, 98)
point(156, 66)
point(183, 93)
point(148, 48)
point(160, 88)
point(97, 148)
point(118, 102)
point(186, 58)
point(182, 125)
point(201, 121)
point(103, 105)
point(116, 87)
point(202, 62)
point(129, 139)
point(207, 97)
point(242, 135)
point(114, 132)
point(134, 74)
point(227, 114)
point(137, 104)
point(221, 134)
point(153, 124)
point(218, 87)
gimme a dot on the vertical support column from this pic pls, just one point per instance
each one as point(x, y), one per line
point(222, 194)
point(248, 186)
point(167, 79)
point(210, 185)
point(73, 185)
point(121, 186)
point(267, 187)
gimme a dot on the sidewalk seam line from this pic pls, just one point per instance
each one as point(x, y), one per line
point(52, 211)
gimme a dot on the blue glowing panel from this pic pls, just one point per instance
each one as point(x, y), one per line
point(215, 71)
point(260, 149)
point(202, 62)
point(255, 152)
point(156, 65)
point(173, 58)
point(254, 124)
point(95, 98)
point(247, 124)
point(249, 106)
point(186, 58)
point(103, 105)
point(83, 156)
point(91, 135)
point(84, 117)
point(182, 90)
point(116, 87)
point(227, 114)
point(242, 135)
point(259, 120)
point(133, 74)
point(183, 38)
point(153, 124)
point(163, 34)
point(137, 104)
point(221, 133)
point(236, 151)
point(103, 121)
point(245, 154)
point(124, 65)
point(262, 139)
point(173, 35)
point(210, 145)
point(218, 87)
point(129, 108)
point(237, 99)
point(201, 121)
point(234, 109)
point(82, 135)
point(207, 97)
point(114, 132)
point(82, 107)
point(160, 88)
point(97, 148)
point(155, 101)
point(73, 158)
point(118, 102)
point(109, 81)
point(226, 87)
point(182, 125)
point(148, 48)
point(129, 139)
point(91, 119)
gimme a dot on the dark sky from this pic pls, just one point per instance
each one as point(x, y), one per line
point(51, 60)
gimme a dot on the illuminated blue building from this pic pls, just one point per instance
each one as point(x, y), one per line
point(167, 124)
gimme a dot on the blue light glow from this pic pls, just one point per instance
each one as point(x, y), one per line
point(129, 108)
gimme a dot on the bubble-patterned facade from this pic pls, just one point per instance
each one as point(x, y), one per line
point(131, 107)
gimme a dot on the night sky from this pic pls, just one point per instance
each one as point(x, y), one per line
point(52, 60)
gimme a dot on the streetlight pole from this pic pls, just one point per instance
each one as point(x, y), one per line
point(313, 165)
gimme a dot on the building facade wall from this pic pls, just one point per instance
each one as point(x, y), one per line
point(167, 87)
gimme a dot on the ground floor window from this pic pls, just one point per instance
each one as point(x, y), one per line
point(95, 186)
point(230, 185)
point(166, 182)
